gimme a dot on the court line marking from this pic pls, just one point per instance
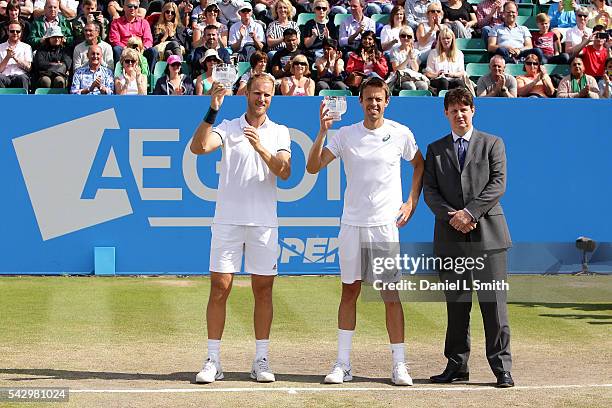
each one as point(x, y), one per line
point(292, 390)
point(208, 221)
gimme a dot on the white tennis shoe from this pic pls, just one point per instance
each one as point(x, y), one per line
point(210, 372)
point(261, 371)
point(339, 374)
point(399, 375)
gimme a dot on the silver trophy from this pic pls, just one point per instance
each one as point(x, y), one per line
point(336, 106)
point(225, 74)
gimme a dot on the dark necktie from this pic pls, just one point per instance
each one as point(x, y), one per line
point(461, 153)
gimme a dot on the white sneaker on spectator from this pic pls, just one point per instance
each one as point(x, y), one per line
point(400, 375)
point(339, 374)
point(210, 372)
point(261, 371)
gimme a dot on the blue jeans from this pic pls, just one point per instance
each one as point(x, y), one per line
point(375, 8)
point(513, 60)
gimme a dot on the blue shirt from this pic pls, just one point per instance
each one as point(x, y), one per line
point(562, 19)
point(84, 77)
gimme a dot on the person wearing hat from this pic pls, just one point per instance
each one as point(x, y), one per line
point(52, 61)
point(51, 17)
point(174, 82)
point(15, 59)
point(207, 18)
point(210, 41)
point(204, 82)
point(247, 35)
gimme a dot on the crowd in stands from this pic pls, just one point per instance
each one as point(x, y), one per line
point(171, 47)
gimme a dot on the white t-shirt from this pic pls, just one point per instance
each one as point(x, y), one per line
point(434, 63)
point(247, 188)
point(573, 36)
point(371, 159)
point(23, 52)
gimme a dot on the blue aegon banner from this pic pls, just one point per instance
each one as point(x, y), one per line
point(80, 172)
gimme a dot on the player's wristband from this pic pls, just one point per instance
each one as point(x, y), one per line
point(211, 116)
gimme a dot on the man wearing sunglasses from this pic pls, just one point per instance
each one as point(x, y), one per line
point(51, 17)
point(132, 25)
point(594, 51)
point(15, 59)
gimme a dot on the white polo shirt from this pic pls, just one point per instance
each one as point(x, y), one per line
point(247, 188)
point(372, 164)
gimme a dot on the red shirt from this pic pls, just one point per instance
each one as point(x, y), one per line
point(594, 61)
point(121, 31)
point(545, 42)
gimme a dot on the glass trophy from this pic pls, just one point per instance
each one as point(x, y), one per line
point(225, 74)
point(336, 106)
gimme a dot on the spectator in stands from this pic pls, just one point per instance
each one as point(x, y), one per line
point(262, 10)
point(427, 32)
point(536, 82)
point(330, 67)
point(338, 7)
point(366, 62)
point(136, 44)
point(204, 82)
point(280, 65)
point(405, 61)
point(510, 40)
point(185, 9)
point(92, 36)
point(229, 11)
point(13, 13)
point(208, 18)
point(50, 18)
point(131, 81)
point(577, 34)
point(3, 5)
point(15, 59)
point(247, 35)
point(128, 26)
point(52, 62)
point(489, 13)
point(560, 19)
point(211, 42)
point(90, 14)
point(258, 62)
point(169, 34)
point(299, 83)
point(93, 78)
point(594, 52)
point(66, 8)
point(605, 84)
point(27, 8)
point(389, 36)
point(353, 27)
point(548, 41)
point(283, 15)
point(318, 30)
point(578, 84)
point(600, 14)
point(445, 67)
point(417, 11)
point(174, 82)
point(116, 7)
point(198, 14)
point(378, 7)
point(497, 82)
point(460, 17)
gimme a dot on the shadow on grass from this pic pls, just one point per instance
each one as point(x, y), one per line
point(599, 319)
point(186, 377)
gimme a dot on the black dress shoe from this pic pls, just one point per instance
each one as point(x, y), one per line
point(504, 380)
point(450, 375)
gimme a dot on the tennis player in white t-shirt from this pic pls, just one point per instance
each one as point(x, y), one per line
point(373, 210)
point(255, 152)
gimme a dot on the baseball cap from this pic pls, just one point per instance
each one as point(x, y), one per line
point(208, 54)
point(245, 6)
point(173, 59)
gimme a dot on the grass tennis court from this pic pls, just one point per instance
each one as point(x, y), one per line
point(147, 334)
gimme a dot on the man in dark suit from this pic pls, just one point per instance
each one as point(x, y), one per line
point(465, 177)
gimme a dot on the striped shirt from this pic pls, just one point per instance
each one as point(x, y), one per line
point(276, 30)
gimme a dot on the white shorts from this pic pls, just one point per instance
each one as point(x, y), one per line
point(259, 245)
point(350, 242)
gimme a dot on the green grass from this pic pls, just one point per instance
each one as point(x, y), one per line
point(79, 310)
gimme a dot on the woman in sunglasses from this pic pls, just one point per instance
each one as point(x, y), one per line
point(209, 17)
point(299, 83)
point(131, 81)
point(389, 36)
point(405, 63)
point(204, 82)
point(319, 29)
point(427, 32)
point(169, 34)
point(174, 82)
point(535, 83)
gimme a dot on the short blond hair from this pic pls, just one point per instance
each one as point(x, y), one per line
point(542, 18)
point(130, 53)
point(286, 3)
point(301, 58)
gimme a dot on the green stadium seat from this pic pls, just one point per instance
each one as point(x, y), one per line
point(442, 93)
point(51, 91)
point(243, 67)
point(303, 18)
point(335, 92)
point(514, 69)
point(13, 91)
point(559, 69)
point(482, 57)
point(471, 44)
point(526, 9)
point(380, 18)
point(339, 18)
point(474, 2)
point(415, 92)
point(476, 70)
point(527, 21)
point(158, 72)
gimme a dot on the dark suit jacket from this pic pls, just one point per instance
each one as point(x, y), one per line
point(478, 188)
